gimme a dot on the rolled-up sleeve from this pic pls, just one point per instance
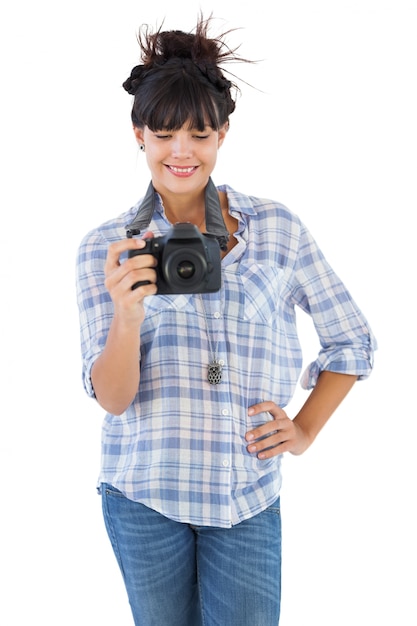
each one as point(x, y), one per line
point(346, 339)
point(94, 303)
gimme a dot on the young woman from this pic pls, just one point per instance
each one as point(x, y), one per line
point(195, 384)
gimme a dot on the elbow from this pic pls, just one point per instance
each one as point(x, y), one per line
point(114, 395)
point(114, 407)
point(114, 404)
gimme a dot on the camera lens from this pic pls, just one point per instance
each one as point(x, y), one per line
point(186, 269)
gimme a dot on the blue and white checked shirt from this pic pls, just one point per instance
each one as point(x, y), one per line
point(180, 446)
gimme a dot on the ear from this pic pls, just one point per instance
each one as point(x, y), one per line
point(222, 133)
point(139, 135)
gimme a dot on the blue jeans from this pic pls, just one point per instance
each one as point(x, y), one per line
point(182, 575)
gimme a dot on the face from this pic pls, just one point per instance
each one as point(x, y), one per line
point(181, 161)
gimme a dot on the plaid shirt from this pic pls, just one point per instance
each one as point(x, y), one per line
point(180, 446)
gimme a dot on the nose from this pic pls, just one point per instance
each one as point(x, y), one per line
point(181, 146)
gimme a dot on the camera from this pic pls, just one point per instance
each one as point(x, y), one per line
point(188, 262)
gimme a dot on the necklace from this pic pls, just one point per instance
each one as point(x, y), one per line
point(214, 371)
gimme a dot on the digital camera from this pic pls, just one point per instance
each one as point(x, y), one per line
point(188, 262)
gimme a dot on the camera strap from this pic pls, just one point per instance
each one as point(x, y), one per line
point(214, 217)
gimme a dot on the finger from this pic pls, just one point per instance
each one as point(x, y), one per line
point(123, 280)
point(269, 446)
point(138, 262)
point(147, 289)
point(263, 430)
point(259, 407)
point(141, 278)
point(132, 270)
point(265, 407)
point(268, 427)
point(117, 248)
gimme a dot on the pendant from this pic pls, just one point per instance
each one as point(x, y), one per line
point(214, 374)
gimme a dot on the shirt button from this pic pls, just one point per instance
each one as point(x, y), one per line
point(217, 315)
point(221, 361)
point(225, 411)
point(225, 463)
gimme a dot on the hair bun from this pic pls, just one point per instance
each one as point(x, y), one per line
point(180, 78)
point(131, 84)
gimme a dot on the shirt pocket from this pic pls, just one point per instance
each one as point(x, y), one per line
point(262, 285)
point(155, 305)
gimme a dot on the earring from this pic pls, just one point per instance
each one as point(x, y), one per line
point(142, 147)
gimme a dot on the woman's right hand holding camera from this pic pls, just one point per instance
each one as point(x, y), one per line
point(120, 276)
point(116, 372)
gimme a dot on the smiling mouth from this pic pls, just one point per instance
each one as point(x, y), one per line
point(182, 170)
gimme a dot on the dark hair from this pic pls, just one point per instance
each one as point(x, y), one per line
point(180, 80)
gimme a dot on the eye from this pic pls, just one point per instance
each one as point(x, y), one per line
point(162, 133)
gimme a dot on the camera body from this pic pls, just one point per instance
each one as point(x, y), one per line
point(188, 262)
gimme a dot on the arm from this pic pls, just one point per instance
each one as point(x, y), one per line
point(295, 436)
point(115, 374)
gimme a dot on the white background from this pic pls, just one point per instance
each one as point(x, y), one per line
point(329, 129)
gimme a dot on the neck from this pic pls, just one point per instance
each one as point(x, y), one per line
point(181, 208)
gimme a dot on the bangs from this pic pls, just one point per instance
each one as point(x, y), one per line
point(178, 102)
